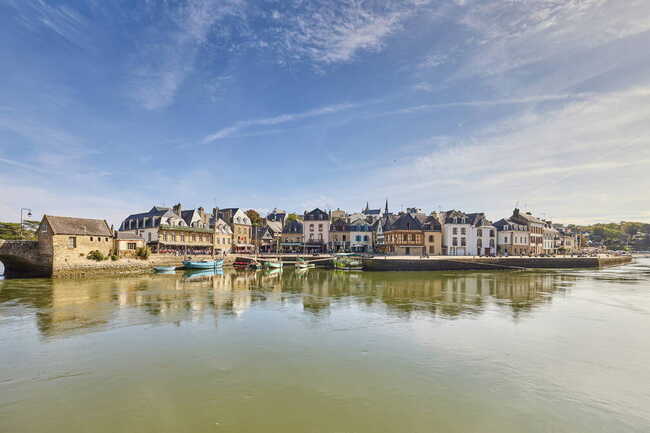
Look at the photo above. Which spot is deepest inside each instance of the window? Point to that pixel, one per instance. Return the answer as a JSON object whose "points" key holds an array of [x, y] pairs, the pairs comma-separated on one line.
{"points": [[462, 231], [182, 238], [454, 242], [72, 242], [430, 238], [365, 238], [358, 238], [130, 245], [91, 239], [491, 233], [311, 227], [455, 230], [505, 239], [174, 238], [432, 249], [463, 242], [44, 228], [194, 238], [479, 233], [320, 227]]}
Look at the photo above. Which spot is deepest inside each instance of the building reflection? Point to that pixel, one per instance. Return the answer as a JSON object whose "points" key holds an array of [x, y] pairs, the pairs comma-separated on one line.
{"points": [[66, 307]]}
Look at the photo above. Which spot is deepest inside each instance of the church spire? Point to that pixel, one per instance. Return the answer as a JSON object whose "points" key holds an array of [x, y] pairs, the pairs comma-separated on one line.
{"points": [[367, 208], [386, 210]]}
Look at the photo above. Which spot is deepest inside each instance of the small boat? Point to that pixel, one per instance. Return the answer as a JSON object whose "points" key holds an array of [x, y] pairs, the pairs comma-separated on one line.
{"points": [[243, 263], [271, 264], [347, 265], [203, 264], [304, 265], [164, 268]]}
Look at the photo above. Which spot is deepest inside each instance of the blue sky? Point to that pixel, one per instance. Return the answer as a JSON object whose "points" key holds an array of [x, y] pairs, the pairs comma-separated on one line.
{"points": [[107, 108]]}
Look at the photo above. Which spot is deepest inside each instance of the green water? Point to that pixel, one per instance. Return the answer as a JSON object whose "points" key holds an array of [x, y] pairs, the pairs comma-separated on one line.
{"points": [[329, 351]]}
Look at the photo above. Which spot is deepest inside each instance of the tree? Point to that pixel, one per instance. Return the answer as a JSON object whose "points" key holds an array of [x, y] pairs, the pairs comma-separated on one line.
{"points": [[292, 217], [11, 231], [255, 217]]}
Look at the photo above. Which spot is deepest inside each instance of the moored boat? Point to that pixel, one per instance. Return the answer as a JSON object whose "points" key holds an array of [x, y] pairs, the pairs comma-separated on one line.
{"points": [[271, 264], [304, 265], [164, 268], [203, 264]]}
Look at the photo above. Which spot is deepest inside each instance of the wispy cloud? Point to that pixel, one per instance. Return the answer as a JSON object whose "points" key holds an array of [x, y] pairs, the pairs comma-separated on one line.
{"points": [[581, 162], [275, 120], [327, 33], [168, 57]]}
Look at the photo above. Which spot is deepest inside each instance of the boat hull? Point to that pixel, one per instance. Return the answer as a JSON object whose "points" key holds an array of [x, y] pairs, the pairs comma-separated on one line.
{"points": [[164, 268], [203, 265]]}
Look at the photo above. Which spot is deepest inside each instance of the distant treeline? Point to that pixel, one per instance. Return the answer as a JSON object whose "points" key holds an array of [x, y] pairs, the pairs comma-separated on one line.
{"points": [[12, 230], [620, 236]]}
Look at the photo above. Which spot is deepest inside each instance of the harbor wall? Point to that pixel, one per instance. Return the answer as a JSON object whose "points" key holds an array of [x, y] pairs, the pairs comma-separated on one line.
{"points": [[489, 263], [121, 266]]}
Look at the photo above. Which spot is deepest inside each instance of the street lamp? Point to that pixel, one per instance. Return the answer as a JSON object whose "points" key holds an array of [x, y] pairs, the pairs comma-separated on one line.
{"points": [[29, 215]]}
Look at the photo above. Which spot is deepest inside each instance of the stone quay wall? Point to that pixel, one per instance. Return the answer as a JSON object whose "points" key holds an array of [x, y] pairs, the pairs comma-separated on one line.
{"points": [[444, 263], [108, 267]]}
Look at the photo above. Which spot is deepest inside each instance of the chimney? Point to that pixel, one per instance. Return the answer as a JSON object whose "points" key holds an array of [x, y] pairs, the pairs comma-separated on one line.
{"points": [[177, 209]]}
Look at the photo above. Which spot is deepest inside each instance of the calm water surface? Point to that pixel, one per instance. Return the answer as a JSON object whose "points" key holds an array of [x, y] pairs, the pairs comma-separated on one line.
{"points": [[323, 351]]}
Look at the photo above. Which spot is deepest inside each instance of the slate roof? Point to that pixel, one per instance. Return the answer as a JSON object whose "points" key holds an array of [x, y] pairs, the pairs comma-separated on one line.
{"points": [[405, 221], [127, 236], [78, 226], [292, 227], [316, 215], [274, 226], [158, 211]]}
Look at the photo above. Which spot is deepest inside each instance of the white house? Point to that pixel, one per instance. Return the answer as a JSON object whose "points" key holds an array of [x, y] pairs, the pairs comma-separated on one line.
{"points": [[467, 234]]}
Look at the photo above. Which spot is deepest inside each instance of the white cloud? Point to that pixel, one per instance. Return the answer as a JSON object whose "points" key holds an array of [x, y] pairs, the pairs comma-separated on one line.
{"points": [[276, 120], [584, 162]]}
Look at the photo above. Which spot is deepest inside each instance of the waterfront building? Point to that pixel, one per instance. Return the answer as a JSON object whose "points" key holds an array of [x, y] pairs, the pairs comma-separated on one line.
{"points": [[432, 234], [535, 230], [316, 231], [551, 238], [291, 239], [512, 238], [166, 231], [352, 236], [67, 240], [193, 217], [126, 244], [468, 234], [404, 236], [241, 227], [222, 234], [147, 224], [379, 228]]}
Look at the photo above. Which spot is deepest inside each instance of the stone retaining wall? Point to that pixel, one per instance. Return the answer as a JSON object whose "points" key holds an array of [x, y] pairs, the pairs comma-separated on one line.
{"points": [[490, 263], [121, 266]]}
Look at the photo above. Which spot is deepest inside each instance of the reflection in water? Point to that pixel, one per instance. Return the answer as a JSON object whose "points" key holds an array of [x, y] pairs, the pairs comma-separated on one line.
{"points": [[562, 351], [70, 306]]}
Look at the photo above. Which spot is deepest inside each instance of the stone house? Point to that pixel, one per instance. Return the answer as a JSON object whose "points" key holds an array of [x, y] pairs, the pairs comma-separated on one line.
{"points": [[241, 227], [512, 238], [222, 234], [316, 231], [126, 243], [66, 241]]}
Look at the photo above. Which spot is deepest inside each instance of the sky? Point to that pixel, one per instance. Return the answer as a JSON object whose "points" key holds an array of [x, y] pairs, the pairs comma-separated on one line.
{"points": [[110, 107]]}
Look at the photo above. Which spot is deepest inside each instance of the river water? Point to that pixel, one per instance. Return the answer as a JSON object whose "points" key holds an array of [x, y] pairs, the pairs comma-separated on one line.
{"points": [[329, 351]]}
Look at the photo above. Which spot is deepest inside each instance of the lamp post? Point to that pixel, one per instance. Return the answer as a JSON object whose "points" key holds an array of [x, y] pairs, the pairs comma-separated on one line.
{"points": [[29, 215]]}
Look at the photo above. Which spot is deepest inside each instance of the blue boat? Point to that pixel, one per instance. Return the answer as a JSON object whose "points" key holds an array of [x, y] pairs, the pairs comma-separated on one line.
{"points": [[203, 264]]}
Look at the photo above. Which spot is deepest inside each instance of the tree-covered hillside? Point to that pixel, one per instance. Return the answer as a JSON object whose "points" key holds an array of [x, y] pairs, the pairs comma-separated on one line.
{"points": [[620, 236], [12, 230]]}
